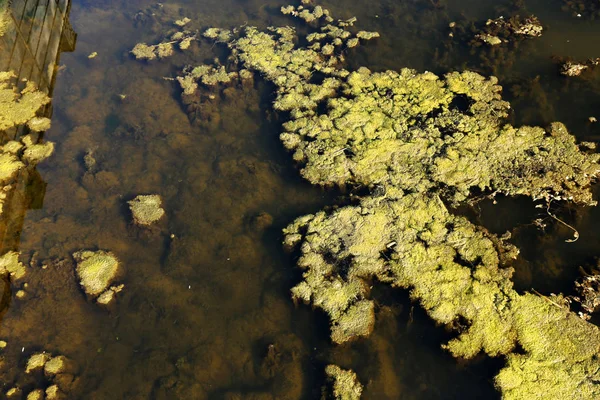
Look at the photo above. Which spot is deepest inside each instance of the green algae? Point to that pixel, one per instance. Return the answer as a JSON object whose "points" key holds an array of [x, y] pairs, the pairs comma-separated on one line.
{"points": [[166, 48], [96, 270], [18, 107], [146, 209], [344, 384], [36, 361], [418, 141], [10, 265], [9, 166]]}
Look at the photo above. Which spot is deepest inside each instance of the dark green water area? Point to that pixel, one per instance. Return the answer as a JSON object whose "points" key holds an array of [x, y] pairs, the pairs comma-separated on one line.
{"points": [[206, 312]]}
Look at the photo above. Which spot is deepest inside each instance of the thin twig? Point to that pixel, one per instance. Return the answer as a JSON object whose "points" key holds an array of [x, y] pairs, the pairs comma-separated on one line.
{"points": [[575, 232]]}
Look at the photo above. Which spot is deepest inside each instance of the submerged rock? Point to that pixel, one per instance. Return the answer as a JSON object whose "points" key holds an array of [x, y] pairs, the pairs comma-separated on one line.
{"points": [[36, 361], [37, 394], [96, 270], [146, 209]]}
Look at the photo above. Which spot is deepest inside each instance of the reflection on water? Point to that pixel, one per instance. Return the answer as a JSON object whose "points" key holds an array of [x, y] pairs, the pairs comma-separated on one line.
{"points": [[31, 45], [206, 311]]}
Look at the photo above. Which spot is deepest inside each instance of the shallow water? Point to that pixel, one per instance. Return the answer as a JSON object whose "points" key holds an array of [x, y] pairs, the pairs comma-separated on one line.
{"points": [[207, 290]]}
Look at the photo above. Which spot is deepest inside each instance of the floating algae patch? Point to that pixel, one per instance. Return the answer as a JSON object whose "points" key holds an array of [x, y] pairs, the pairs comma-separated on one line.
{"points": [[417, 141]]}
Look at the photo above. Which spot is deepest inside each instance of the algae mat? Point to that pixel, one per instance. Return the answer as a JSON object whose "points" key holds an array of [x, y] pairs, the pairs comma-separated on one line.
{"points": [[206, 310]]}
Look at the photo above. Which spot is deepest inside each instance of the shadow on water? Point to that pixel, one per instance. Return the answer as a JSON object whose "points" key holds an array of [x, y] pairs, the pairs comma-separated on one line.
{"points": [[206, 311]]}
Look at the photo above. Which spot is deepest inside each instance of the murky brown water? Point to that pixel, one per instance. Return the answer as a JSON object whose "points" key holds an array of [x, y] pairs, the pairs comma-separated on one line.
{"points": [[201, 308]]}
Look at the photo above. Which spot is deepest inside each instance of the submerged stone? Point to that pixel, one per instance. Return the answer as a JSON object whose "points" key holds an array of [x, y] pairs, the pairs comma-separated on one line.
{"points": [[96, 270], [36, 361], [37, 394], [146, 209]]}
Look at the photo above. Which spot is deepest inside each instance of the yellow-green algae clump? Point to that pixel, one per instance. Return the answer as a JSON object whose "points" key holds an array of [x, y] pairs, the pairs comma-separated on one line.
{"points": [[344, 384], [18, 107], [96, 270], [146, 209], [417, 141], [10, 265]]}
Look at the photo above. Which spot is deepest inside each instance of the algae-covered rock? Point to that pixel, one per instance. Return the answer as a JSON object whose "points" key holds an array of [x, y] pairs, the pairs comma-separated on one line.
{"points": [[53, 392], [344, 384], [9, 166], [37, 394], [14, 393], [96, 270], [36, 361], [146, 209], [10, 264], [39, 124], [59, 365], [38, 152]]}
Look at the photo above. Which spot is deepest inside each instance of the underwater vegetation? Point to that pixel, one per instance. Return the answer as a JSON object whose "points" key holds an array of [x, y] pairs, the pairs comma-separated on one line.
{"points": [[146, 209], [417, 142]]}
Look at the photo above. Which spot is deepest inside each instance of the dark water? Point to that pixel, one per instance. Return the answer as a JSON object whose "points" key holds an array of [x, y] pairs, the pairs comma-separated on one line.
{"points": [[207, 291]]}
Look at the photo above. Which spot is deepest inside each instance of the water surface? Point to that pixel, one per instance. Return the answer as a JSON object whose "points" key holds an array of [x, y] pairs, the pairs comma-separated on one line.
{"points": [[206, 311]]}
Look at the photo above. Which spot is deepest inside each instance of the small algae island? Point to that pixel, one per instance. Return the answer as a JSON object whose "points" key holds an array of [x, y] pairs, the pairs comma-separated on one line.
{"points": [[417, 145]]}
